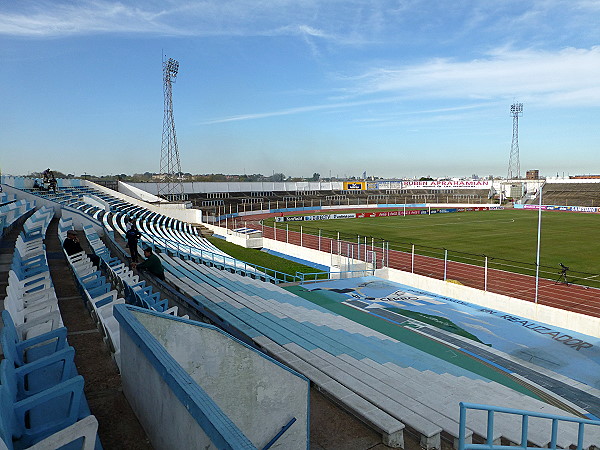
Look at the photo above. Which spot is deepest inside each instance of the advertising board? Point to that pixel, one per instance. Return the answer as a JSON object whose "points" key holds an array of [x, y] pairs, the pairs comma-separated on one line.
{"points": [[383, 185], [459, 184], [354, 185]]}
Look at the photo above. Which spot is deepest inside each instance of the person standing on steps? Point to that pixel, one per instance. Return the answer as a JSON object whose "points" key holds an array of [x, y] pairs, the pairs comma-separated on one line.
{"points": [[133, 236]]}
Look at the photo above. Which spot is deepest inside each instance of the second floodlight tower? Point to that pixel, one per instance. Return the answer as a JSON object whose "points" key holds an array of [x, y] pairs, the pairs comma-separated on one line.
{"points": [[171, 186], [514, 166]]}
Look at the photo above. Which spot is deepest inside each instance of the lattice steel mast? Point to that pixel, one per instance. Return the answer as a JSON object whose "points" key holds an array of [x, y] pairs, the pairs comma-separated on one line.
{"points": [[170, 167], [514, 166]]}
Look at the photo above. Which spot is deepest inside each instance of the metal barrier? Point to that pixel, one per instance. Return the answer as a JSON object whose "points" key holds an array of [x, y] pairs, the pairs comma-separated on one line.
{"points": [[321, 276], [491, 410], [218, 259]]}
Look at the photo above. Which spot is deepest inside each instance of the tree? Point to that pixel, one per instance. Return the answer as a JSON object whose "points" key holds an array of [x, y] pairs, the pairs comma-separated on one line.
{"points": [[316, 176]]}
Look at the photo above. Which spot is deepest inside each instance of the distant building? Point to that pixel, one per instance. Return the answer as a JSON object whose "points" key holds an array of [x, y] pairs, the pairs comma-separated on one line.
{"points": [[532, 174]]}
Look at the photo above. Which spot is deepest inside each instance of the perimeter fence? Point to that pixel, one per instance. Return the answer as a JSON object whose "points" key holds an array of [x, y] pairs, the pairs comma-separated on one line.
{"points": [[485, 272]]}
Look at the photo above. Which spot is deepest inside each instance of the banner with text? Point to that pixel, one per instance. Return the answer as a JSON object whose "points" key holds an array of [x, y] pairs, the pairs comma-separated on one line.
{"points": [[583, 209], [460, 184]]}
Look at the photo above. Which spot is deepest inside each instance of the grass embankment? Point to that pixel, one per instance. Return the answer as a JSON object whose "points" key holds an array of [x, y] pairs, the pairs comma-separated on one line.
{"points": [[254, 256]]}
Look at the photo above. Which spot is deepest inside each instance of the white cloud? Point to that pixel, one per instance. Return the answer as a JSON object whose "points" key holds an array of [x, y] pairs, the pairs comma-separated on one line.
{"points": [[208, 18], [569, 75], [50, 19]]}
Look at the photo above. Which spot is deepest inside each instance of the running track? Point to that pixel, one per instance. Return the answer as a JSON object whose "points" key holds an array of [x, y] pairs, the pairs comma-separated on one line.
{"points": [[569, 297]]}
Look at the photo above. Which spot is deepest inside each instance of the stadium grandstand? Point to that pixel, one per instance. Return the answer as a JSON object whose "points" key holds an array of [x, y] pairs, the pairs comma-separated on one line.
{"points": [[227, 354], [574, 191]]}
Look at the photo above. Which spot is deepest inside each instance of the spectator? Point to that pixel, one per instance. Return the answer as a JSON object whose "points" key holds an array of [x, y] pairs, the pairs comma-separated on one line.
{"points": [[72, 247], [52, 184], [152, 264], [128, 224], [133, 236]]}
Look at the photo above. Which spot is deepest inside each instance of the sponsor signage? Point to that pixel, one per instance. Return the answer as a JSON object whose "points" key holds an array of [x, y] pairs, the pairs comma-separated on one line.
{"points": [[461, 184], [317, 217], [354, 185], [583, 209], [383, 185], [557, 335]]}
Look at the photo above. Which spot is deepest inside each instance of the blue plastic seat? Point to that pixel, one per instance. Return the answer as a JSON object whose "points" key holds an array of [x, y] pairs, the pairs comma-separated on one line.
{"points": [[27, 421], [25, 351]]}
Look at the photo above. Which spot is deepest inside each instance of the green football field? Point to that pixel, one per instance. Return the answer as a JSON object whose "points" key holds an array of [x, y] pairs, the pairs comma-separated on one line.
{"points": [[569, 238]]}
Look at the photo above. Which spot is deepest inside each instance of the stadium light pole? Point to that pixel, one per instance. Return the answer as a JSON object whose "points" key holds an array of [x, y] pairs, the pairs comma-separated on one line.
{"points": [[537, 258], [170, 165], [514, 166]]}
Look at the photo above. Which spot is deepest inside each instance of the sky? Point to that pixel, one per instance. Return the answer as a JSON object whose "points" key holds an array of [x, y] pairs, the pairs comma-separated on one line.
{"points": [[396, 88]]}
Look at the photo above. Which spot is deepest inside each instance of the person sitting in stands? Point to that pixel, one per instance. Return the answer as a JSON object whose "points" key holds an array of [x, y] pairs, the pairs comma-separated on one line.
{"points": [[72, 247], [36, 184], [152, 264]]}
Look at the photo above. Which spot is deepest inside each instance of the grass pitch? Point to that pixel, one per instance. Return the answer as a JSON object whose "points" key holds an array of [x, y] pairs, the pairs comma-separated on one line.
{"points": [[569, 238]]}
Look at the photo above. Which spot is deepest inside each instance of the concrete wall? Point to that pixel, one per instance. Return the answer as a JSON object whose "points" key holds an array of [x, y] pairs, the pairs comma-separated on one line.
{"points": [[156, 405], [257, 394], [257, 186], [174, 369], [96, 201], [138, 193]]}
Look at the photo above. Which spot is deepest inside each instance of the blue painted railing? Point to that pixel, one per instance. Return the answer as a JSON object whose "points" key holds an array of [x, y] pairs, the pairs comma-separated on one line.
{"points": [[279, 434], [217, 259], [489, 444]]}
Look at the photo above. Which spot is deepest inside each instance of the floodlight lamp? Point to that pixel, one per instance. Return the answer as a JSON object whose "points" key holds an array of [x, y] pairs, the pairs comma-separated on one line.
{"points": [[172, 66], [516, 108]]}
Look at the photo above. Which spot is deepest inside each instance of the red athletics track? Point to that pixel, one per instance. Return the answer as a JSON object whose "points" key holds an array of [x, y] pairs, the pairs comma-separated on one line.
{"points": [[569, 297]]}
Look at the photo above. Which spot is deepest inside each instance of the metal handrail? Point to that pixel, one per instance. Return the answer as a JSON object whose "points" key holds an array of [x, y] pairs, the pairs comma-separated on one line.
{"points": [[217, 258], [489, 445]]}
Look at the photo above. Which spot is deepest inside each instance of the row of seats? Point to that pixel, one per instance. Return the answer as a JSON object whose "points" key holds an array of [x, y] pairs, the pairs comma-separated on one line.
{"points": [[41, 393], [30, 296], [125, 282], [114, 284], [98, 293], [10, 212], [7, 198]]}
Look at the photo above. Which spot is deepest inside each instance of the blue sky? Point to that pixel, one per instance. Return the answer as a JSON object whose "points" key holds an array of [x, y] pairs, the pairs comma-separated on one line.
{"points": [[397, 88]]}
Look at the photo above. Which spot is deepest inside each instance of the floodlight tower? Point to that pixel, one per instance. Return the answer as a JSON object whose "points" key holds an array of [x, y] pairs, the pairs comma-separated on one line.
{"points": [[514, 167], [170, 167]]}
